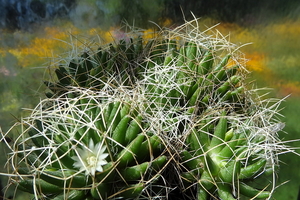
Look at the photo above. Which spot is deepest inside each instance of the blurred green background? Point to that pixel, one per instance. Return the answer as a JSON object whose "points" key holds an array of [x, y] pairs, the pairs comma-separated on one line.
{"points": [[34, 34]]}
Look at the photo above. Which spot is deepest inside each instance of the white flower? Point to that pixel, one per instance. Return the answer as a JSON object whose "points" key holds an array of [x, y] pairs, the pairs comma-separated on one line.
{"points": [[91, 159]]}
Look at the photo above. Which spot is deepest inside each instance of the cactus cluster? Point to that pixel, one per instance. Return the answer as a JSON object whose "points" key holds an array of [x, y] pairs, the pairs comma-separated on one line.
{"points": [[148, 119]]}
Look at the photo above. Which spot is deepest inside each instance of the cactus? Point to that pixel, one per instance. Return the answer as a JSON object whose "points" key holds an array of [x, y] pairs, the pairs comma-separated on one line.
{"points": [[79, 145], [139, 118]]}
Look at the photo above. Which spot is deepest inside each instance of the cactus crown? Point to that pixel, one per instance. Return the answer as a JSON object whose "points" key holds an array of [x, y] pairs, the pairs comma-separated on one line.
{"points": [[118, 122]]}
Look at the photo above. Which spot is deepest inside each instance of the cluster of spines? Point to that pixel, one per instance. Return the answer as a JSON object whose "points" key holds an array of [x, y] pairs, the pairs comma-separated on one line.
{"points": [[134, 156], [215, 155], [207, 90]]}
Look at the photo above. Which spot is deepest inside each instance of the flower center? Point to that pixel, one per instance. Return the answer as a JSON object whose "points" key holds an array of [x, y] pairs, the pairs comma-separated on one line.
{"points": [[91, 160]]}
